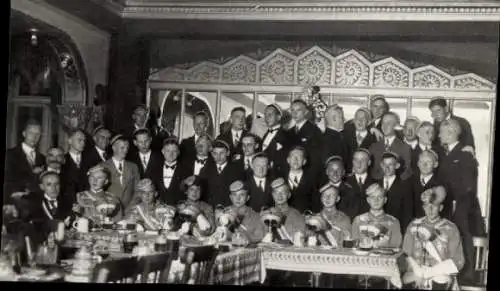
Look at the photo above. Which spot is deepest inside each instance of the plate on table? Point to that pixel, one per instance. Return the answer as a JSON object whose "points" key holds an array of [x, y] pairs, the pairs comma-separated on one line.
{"points": [[384, 251], [360, 252]]}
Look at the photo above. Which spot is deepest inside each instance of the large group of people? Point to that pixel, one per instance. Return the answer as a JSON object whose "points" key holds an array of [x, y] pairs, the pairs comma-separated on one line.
{"points": [[368, 171]]}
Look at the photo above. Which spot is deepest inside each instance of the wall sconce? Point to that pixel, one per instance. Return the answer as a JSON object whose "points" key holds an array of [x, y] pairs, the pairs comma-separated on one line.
{"points": [[34, 37]]}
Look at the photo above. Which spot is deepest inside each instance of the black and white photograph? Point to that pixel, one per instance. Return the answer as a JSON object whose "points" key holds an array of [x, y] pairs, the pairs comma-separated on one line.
{"points": [[341, 144]]}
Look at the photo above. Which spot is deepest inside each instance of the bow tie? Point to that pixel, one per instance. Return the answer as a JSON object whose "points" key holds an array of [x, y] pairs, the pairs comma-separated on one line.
{"points": [[201, 161], [172, 167], [271, 130]]}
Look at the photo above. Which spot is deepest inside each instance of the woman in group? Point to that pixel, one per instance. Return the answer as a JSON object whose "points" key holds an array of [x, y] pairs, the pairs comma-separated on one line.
{"points": [[147, 211], [197, 215]]}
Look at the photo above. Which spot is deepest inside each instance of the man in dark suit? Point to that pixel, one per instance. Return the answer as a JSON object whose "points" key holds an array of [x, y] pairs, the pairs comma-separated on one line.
{"points": [[359, 136], [193, 165], [334, 143], [425, 134], [200, 125], [141, 119], [74, 170], [219, 175], [169, 177], [148, 161], [378, 108], [259, 183], [399, 196], [410, 131], [307, 135], [124, 174], [233, 136], [42, 207], [301, 180], [360, 179], [24, 163], [250, 146], [390, 143], [100, 152], [458, 168], [425, 178], [275, 142], [349, 202], [440, 112]]}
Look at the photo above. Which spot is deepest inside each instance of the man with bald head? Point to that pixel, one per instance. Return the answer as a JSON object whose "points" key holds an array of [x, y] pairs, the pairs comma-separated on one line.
{"points": [[458, 168]]}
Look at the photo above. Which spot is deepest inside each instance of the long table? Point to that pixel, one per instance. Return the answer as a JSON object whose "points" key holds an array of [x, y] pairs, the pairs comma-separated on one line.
{"points": [[335, 261]]}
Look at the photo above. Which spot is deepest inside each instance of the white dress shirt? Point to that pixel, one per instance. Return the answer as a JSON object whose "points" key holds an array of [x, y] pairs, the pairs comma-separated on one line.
{"points": [[76, 157], [100, 153], [270, 136], [425, 179], [298, 126], [198, 165], [235, 133], [389, 140], [452, 146], [258, 182], [29, 152], [362, 177], [221, 167], [117, 165], [145, 158], [168, 174], [295, 178], [424, 147], [388, 181], [413, 144]]}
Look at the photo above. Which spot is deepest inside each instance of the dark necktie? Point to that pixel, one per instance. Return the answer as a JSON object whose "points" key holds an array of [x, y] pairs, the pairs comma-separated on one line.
{"points": [[172, 167], [360, 182], [446, 149], [105, 156], [269, 131], [261, 186], [219, 169], [120, 167]]}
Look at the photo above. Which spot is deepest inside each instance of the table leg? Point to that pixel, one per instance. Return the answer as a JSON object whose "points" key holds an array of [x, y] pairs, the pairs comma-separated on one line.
{"points": [[388, 287], [315, 279]]}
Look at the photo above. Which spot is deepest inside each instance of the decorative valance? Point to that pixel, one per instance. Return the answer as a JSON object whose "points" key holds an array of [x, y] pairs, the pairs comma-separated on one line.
{"points": [[317, 66]]}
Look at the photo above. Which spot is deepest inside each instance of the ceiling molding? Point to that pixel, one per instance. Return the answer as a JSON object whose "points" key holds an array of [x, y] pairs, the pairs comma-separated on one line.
{"points": [[376, 10]]}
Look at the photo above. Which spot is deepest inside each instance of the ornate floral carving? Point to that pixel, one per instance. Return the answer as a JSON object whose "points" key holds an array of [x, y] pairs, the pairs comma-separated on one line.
{"points": [[315, 68], [204, 72], [352, 70], [390, 74], [430, 78], [277, 69], [239, 71], [471, 82], [168, 74]]}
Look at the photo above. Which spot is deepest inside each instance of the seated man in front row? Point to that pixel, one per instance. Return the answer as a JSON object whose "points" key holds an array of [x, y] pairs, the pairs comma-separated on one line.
{"points": [[434, 246], [376, 228], [248, 223], [293, 220], [87, 202]]}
